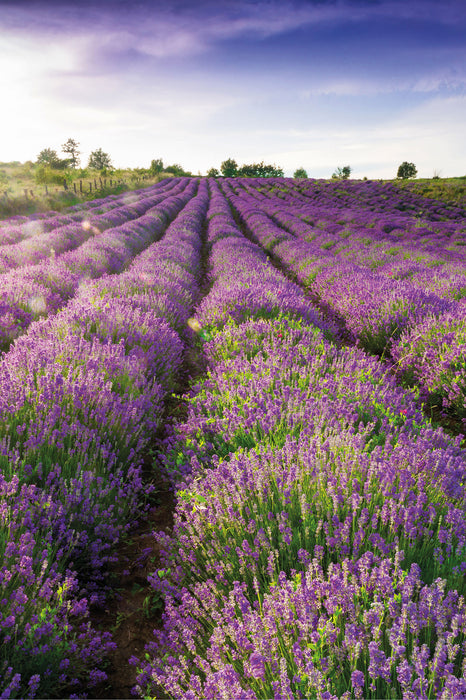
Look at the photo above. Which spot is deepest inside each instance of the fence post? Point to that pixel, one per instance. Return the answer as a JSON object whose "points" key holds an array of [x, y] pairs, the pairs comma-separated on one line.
{"points": [[46, 190], [100, 180], [74, 187], [90, 187], [81, 186], [26, 193], [65, 184], [95, 184]]}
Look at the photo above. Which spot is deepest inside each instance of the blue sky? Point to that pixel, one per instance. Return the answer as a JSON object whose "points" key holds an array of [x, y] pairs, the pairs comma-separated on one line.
{"points": [[300, 83]]}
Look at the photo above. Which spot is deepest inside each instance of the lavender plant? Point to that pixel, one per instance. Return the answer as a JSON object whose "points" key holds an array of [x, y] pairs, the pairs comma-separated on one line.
{"points": [[84, 391], [318, 547]]}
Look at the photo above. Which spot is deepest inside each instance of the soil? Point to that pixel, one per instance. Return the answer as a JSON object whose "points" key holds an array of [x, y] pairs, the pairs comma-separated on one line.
{"points": [[131, 615]]}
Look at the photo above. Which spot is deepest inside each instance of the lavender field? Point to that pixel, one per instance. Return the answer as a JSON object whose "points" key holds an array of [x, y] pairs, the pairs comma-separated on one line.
{"points": [[290, 357]]}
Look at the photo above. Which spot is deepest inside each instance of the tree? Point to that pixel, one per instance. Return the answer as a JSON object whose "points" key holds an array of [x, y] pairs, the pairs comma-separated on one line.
{"points": [[99, 160], [156, 166], [259, 170], [229, 168], [177, 170], [71, 147], [407, 170], [342, 173], [213, 172], [300, 173], [48, 156]]}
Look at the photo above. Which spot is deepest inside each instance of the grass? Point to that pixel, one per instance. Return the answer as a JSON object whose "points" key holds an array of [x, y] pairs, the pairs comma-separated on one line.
{"points": [[21, 194], [448, 189]]}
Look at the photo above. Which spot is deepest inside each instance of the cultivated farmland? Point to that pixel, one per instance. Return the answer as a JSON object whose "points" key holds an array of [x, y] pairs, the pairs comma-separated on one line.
{"points": [[289, 356]]}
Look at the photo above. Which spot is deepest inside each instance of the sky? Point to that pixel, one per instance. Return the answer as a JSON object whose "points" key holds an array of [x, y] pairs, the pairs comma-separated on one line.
{"points": [[317, 84]]}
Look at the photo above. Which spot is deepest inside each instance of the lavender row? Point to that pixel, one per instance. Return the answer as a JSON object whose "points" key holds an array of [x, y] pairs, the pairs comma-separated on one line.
{"points": [[42, 289], [430, 352], [318, 547], [364, 236], [351, 197], [82, 394], [430, 262], [244, 282], [422, 329], [368, 232], [64, 237], [373, 309], [18, 228]]}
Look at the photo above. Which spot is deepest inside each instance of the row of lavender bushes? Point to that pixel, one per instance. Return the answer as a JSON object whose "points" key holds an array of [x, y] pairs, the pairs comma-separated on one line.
{"points": [[67, 232], [37, 290], [318, 547], [401, 298], [384, 199], [82, 393], [21, 228]]}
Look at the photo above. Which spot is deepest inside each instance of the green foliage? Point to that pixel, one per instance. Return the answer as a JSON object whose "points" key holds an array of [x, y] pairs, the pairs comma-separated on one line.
{"points": [[213, 172], [48, 156], [177, 170], [47, 175], [71, 147], [451, 190], [156, 166], [342, 173], [99, 160], [229, 168], [300, 173], [406, 170], [3, 181], [259, 170]]}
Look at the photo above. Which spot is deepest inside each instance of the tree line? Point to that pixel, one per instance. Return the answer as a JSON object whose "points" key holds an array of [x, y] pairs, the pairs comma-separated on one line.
{"points": [[100, 160], [230, 168]]}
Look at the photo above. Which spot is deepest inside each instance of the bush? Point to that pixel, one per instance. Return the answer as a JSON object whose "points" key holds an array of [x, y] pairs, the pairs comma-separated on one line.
{"points": [[156, 166], [177, 170], [259, 170], [342, 173], [99, 160], [300, 173], [406, 170], [229, 168], [45, 175]]}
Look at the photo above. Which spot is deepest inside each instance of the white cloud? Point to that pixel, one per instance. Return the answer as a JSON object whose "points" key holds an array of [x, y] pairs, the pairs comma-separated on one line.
{"points": [[77, 80], [430, 135]]}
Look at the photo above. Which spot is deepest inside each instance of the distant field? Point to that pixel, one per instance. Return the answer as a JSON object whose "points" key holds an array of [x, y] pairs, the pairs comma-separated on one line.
{"points": [[232, 441], [21, 193], [451, 189]]}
